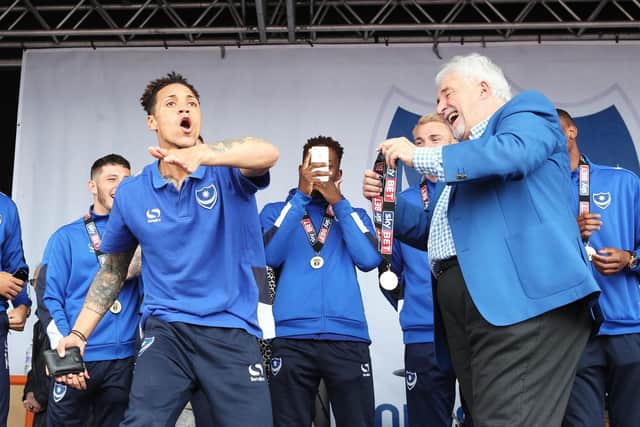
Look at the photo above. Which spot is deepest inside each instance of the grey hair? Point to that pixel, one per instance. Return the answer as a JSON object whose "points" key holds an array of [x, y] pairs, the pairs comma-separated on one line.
{"points": [[476, 67]]}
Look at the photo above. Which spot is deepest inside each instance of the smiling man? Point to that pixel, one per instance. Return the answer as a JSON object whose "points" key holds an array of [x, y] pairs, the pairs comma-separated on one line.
{"points": [[512, 274], [72, 259], [194, 214]]}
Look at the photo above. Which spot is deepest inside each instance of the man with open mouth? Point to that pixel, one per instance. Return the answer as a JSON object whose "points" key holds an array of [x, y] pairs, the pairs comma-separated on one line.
{"points": [[194, 214]]}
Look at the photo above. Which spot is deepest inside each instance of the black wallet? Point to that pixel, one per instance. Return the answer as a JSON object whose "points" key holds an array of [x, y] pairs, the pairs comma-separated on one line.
{"points": [[71, 363]]}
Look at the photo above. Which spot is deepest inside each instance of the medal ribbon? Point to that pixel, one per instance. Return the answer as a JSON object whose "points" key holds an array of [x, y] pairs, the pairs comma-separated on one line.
{"points": [[94, 238], [583, 188], [317, 240], [384, 207], [424, 193]]}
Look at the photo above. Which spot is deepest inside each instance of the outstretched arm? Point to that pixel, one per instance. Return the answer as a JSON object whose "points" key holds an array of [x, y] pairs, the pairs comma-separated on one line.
{"points": [[103, 292], [253, 156]]}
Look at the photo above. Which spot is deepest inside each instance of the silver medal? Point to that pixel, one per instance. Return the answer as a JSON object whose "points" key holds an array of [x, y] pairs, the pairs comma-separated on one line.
{"points": [[388, 280]]}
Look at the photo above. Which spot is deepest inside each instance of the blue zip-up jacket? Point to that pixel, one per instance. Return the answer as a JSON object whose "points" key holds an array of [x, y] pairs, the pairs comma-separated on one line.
{"points": [[11, 253], [71, 266], [412, 267], [323, 303], [615, 194]]}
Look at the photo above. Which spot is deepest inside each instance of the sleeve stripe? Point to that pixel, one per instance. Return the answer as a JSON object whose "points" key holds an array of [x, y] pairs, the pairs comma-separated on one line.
{"points": [[363, 228], [283, 214]]}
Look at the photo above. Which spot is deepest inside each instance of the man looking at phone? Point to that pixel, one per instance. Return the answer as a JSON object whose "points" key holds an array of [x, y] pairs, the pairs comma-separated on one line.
{"points": [[72, 258], [316, 239], [13, 273]]}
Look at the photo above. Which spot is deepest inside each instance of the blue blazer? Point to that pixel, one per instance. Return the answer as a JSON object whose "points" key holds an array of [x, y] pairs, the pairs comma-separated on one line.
{"points": [[510, 212]]}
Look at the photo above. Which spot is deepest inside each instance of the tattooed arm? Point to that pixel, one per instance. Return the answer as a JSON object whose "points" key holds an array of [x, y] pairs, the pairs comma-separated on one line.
{"points": [[253, 156], [102, 293]]}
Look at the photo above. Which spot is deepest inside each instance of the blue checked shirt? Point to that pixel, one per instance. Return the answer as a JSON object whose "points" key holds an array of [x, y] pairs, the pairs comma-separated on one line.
{"points": [[429, 161]]}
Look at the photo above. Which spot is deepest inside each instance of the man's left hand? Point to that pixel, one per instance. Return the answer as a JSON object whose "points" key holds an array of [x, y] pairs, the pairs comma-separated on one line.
{"points": [[330, 190], [610, 261], [31, 404], [18, 317]]}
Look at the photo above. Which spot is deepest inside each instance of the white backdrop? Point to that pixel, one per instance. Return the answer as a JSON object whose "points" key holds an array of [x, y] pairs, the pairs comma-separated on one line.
{"points": [[77, 105]]}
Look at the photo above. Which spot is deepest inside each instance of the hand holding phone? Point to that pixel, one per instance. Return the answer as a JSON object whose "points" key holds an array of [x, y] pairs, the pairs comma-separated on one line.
{"points": [[11, 284], [22, 275]]}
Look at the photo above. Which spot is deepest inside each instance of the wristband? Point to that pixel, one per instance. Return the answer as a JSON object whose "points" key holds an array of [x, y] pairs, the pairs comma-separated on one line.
{"points": [[79, 335]]}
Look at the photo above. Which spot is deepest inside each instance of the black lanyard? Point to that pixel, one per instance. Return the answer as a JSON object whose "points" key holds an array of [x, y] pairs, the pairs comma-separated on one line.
{"points": [[317, 240], [384, 207], [424, 193], [584, 189], [94, 238]]}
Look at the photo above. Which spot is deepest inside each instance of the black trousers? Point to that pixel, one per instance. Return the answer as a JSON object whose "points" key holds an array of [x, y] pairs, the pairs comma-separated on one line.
{"points": [[608, 370], [297, 365], [518, 375]]}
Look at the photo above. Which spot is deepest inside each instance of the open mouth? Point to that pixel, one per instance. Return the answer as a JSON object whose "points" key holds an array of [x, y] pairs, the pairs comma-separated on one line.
{"points": [[452, 117], [185, 124]]}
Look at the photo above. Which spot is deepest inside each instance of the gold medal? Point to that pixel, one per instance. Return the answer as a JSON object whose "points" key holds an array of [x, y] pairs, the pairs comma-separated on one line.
{"points": [[116, 307], [316, 262]]}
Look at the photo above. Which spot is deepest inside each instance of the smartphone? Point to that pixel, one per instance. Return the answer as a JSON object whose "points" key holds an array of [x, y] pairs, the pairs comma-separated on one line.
{"points": [[320, 154], [22, 275]]}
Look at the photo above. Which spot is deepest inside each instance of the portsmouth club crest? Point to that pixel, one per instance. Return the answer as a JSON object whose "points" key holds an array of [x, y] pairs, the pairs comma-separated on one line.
{"points": [[207, 196], [412, 379], [59, 390], [276, 364], [602, 200]]}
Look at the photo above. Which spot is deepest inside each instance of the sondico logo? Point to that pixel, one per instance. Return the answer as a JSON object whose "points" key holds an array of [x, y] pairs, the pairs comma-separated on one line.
{"points": [[153, 215], [256, 372], [366, 369]]}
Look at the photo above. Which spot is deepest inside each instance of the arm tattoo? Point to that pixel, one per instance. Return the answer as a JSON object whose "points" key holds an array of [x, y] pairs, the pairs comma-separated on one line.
{"points": [[108, 282], [225, 145]]}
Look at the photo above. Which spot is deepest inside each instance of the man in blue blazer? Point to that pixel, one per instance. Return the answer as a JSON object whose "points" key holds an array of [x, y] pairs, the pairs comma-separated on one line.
{"points": [[513, 285]]}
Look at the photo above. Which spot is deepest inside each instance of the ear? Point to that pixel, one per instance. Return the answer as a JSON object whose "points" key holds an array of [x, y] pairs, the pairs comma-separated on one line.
{"points": [[151, 122], [339, 174], [93, 188], [573, 131], [485, 89]]}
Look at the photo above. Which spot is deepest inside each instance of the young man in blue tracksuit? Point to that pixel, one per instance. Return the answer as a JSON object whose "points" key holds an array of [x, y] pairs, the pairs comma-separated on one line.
{"points": [[316, 239], [11, 289], [71, 259], [194, 215], [430, 388], [609, 370]]}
